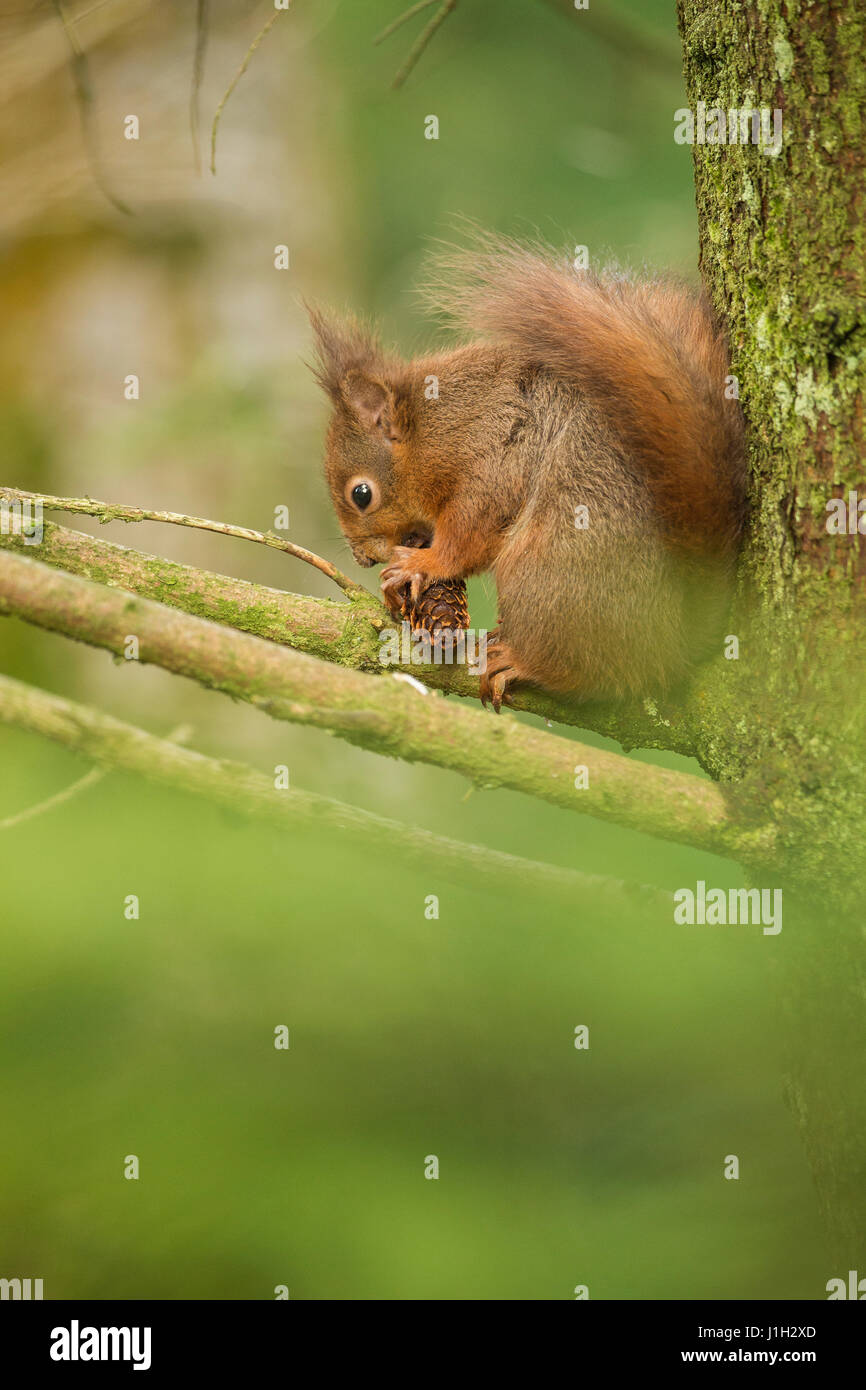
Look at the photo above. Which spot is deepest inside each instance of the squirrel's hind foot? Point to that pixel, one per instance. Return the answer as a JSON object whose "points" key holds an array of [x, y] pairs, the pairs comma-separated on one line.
{"points": [[503, 670]]}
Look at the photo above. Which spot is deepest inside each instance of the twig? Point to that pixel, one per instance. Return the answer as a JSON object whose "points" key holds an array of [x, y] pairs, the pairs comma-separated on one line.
{"points": [[110, 511], [240, 788], [236, 79], [422, 41], [197, 75], [401, 19], [84, 97], [95, 774], [492, 752]]}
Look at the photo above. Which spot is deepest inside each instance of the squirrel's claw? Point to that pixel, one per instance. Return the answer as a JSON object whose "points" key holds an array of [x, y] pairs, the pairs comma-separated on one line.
{"points": [[393, 600], [403, 572], [502, 671], [495, 691]]}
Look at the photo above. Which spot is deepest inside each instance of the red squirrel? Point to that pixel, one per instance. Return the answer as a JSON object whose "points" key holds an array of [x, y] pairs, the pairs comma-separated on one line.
{"points": [[583, 446]]}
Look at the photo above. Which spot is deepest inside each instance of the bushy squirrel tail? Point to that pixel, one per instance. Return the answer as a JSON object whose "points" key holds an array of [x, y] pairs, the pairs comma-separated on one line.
{"points": [[648, 352]]}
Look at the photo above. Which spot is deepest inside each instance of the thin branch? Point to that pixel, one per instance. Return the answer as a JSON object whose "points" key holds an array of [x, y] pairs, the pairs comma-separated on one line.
{"points": [[84, 97], [402, 19], [422, 41], [109, 511], [236, 79], [347, 634], [244, 790], [490, 752], [89, 779], [201, 18], [96, 774]]}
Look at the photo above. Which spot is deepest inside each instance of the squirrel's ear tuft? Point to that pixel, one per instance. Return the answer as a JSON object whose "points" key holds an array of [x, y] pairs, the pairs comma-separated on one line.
{"points": [[343, 346], [368, 399]]}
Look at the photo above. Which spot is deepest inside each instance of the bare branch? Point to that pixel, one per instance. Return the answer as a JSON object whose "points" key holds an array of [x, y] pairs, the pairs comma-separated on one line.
{"points": [[95, 774], [84, 97], [201, 17], [422, 41], [402, 19], [110, 511], [266, 28]]}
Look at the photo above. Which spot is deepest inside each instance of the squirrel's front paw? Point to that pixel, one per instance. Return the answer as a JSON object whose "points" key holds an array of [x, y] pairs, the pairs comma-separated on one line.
{"points": [[403, 572], [395, 600]]}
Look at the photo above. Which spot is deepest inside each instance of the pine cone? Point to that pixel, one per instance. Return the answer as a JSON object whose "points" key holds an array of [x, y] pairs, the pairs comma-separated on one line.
{"points": [[441, 608]]}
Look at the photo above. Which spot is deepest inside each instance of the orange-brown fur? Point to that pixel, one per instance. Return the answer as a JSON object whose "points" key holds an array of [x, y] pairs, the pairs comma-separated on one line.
{"points": [[603, 392]]}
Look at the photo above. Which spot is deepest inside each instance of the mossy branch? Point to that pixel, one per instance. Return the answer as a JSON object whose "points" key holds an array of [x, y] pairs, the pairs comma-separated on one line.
{"points": [[381, 715], [344, 633]]}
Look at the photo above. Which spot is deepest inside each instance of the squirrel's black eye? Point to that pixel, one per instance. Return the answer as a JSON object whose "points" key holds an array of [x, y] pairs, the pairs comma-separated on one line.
{"points": [[362, 495]]}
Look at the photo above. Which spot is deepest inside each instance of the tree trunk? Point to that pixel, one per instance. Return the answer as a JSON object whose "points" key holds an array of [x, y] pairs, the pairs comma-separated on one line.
{"points": [[782, 238]]}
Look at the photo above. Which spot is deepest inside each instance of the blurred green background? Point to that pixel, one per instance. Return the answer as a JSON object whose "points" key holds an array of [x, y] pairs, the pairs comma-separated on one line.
{"points": [[409, 1037]]}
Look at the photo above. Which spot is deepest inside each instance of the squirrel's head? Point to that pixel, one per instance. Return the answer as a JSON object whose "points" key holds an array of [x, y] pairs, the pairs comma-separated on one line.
{"points": [[363, 446]]}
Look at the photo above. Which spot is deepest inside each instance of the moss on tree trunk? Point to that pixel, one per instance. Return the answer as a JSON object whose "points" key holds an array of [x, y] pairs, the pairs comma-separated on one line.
{"points": [[782, 242]]}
